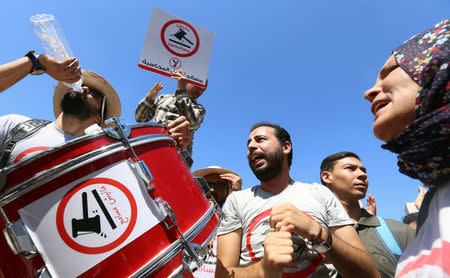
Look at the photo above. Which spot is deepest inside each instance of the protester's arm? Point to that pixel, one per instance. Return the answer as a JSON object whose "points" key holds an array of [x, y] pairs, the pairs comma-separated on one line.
{"points": [[409, 236], [420, 196], [194, 112], [278, 252], [146, 108], [347, 252], [12, 72]]}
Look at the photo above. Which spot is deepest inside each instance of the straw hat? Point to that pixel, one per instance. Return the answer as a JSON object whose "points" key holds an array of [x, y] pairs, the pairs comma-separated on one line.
{"points": [[212, 170], [97, 82]]}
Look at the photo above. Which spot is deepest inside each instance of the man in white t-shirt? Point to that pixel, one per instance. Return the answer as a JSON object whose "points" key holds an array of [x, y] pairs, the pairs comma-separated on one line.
{"points": [[256, 236]]}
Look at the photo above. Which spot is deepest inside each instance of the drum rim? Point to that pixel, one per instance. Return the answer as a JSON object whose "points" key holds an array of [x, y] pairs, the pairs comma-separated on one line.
{"points": [[8, 169], [49, 174], [175, 247]]}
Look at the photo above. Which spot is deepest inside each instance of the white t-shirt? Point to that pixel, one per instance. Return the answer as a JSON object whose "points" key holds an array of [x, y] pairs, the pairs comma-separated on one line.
{"points": [[429, 254], [250, 210], [45, 138]]}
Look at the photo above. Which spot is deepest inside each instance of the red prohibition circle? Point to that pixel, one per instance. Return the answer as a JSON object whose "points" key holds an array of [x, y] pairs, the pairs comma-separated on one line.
{"points": [[102, 249], [163, 30]]}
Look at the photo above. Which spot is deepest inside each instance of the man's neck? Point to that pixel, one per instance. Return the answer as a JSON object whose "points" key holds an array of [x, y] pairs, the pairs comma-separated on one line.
{"points": [[71, 125], [277, 184], [353, 209]]}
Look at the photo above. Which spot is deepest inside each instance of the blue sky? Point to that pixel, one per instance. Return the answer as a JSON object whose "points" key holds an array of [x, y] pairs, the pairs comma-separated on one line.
{"points": [[301, 64]]}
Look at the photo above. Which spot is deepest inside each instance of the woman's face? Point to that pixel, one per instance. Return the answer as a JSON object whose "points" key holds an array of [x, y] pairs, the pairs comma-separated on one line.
{"points": [[393, 99]]}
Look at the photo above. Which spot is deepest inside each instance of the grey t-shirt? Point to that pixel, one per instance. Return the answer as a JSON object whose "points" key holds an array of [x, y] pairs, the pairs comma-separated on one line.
{"points": [[250, 210]]}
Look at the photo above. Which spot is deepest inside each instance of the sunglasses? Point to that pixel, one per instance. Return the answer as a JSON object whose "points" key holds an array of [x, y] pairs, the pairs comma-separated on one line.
{"points": [[218, 185], [97, 94]]}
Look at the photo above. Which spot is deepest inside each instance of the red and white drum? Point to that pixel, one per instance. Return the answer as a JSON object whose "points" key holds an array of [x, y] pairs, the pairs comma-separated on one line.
{"points": [[104, 206]]}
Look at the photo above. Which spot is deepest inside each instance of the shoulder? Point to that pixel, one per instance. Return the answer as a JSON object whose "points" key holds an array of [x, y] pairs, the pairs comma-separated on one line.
{"points": [[317, 190], [7, 124], [243, 194], [11, 120], [14, 118], [400, 228], [403, 233], [164, 97]]}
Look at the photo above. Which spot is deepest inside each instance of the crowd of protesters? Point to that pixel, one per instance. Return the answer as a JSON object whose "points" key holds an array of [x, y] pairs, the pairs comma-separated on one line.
{"points": [[282, 227]]}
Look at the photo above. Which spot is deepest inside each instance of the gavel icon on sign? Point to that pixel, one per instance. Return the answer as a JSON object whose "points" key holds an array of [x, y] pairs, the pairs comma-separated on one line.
{"points": [[181, 35], [85, 224]]}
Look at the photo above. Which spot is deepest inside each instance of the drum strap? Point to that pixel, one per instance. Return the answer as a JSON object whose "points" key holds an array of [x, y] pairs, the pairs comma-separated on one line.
{"points": [[20, 132]]}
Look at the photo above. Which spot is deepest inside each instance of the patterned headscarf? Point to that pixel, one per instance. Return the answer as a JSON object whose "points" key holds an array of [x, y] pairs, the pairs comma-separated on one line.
{"points": [[423, 146]]}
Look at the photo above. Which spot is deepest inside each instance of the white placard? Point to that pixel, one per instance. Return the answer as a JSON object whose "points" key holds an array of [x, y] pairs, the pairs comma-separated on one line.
{"points": [[81, 224], [173, 43]]}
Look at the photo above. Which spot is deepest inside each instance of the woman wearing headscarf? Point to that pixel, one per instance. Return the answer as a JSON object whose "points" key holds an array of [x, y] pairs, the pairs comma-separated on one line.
{"points": [[410, 101]]}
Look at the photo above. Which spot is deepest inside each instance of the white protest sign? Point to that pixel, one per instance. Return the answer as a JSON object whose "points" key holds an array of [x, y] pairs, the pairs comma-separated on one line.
{"points": [[83, 223], [172, 44]]}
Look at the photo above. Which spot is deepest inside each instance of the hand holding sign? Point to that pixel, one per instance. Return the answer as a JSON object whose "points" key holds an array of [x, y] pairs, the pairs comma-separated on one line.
{"points": [[181, 77]]}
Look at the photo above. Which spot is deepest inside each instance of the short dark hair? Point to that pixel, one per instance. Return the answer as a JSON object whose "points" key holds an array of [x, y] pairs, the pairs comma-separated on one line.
{"points": [[331, 160], [281, 134], [410, 217]]}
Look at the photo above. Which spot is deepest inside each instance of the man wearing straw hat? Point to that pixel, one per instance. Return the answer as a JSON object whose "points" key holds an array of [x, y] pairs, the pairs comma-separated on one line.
{"points": [[74, 112], [221, 182]]}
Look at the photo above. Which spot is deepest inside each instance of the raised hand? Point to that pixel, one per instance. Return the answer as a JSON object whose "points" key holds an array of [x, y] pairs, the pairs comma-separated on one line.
{"points": [[420, 196], [155, 90], [371, 205], [236, 181]]}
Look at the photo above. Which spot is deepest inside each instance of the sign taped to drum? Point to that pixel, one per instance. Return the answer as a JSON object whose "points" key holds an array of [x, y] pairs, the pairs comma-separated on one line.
{"points": [[84, 222]]}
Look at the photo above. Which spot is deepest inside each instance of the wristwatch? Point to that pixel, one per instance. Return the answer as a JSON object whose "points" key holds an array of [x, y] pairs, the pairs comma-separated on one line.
{"points": [[322, 247], [37, 68]]}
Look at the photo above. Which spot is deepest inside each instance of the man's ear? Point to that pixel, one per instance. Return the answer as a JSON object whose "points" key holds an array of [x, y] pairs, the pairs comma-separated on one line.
{"points": [[97, 119], [287, 147], [327, 178]]}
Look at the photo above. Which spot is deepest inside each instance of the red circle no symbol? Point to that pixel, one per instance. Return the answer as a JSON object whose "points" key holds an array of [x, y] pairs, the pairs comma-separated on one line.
{"points": [[101, 249], [171, 49]]}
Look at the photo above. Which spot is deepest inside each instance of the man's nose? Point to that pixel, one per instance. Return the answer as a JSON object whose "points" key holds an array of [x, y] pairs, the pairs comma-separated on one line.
{"points": [[252, 146], [85, 91], [362, 175]]}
